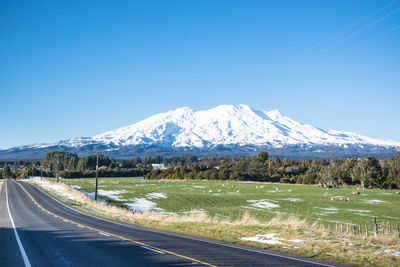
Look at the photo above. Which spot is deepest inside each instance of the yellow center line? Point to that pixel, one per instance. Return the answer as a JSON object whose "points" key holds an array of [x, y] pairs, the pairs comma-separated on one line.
{"points": [[111, 234]]}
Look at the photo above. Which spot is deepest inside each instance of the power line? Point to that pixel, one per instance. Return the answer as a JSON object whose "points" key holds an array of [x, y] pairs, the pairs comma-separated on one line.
{"points": [[347, 28], [301, 59], [368, 41], [360, 30]]}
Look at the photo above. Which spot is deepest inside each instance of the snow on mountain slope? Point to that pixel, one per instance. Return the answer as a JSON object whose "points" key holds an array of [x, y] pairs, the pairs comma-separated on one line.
{"points": [[226, 125]]}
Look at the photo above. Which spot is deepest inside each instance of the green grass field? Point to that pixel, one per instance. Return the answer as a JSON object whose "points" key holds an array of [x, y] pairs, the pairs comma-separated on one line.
{"points": [[229, 200]]}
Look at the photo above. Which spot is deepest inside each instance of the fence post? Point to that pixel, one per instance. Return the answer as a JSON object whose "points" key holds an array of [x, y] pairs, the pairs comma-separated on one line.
{"points": [[375, 227], [398, 230], [360, 230], [366, 231]]}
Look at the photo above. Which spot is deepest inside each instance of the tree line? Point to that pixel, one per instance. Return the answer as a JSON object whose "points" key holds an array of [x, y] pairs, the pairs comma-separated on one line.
{"points": [[364, 172], [70, 165]]}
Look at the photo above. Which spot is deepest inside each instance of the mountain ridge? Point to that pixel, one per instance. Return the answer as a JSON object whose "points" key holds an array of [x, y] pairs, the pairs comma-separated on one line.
{"points": [[227, 126]]}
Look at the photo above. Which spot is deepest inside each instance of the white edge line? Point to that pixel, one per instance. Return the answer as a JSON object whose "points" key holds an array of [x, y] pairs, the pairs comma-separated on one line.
{"points": [[186, 237], [103, 234], [21, 247], [152, 249]]}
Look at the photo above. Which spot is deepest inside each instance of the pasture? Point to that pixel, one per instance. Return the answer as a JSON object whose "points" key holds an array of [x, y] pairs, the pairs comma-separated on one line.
{"points": [[230, 200]]}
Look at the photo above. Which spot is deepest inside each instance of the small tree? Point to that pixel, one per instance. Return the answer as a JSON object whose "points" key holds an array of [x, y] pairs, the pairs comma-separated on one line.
{"points": [[329, 174], [262, 156], [367, 172], [6, 172]]}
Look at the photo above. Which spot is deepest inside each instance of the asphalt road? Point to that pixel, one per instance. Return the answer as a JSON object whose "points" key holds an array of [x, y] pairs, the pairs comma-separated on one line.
{"points": [[38, 230]]}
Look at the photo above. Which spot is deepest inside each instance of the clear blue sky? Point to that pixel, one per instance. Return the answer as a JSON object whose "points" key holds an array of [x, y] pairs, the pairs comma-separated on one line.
{"points": [[79, 68]]}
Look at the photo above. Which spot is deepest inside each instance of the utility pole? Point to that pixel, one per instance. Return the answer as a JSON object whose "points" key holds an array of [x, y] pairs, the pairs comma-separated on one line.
{"points": [[41, 171], [97, 176], [58, 168]]}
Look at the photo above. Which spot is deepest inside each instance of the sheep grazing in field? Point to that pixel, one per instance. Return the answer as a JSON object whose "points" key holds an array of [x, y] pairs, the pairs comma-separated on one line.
{"points": [[348, 199], [340, 199], [332, 198], [290, 190], [237, 191], [355, 193], [257, 187], [327, 189], [223, 185], [209, 191], [276, 188], [397, 193], [261, 186], [219, 190]]}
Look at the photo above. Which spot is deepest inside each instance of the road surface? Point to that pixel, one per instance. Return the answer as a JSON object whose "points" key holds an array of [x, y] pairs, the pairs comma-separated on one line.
{"points": [[38, 230]]}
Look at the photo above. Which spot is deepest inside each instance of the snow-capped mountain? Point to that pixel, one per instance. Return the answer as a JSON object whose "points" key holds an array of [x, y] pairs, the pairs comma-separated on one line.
{"points": [[227, 128]]}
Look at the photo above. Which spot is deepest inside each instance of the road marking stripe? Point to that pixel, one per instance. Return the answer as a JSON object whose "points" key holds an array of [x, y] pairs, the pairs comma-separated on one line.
{"points": [[21, 247], [114, 235], [103, 234], [152, 249]]}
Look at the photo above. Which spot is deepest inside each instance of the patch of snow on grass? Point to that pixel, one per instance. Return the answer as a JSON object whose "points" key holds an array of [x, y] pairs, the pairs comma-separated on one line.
{"points": [[330, 209], [263, 204], [395, 253], [53, 187], [270, 239], [293, 199], [113, 194], [192, 211], [198, 186], [373, 201], [361, 211], [76, 187], [58, 189], [143, 205], [155, 195]]}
